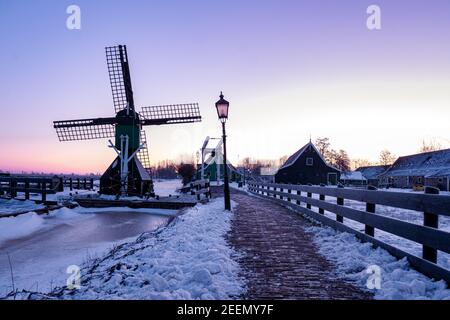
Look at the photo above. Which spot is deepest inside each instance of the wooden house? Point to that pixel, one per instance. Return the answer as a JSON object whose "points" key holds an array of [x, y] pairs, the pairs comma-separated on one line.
{"points": [[373, 173], [353, 179], [307, 166], [423, 169]]}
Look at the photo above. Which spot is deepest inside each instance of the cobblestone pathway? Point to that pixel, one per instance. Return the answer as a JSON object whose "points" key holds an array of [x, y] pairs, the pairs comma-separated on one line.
{"points": [[280, 260]]}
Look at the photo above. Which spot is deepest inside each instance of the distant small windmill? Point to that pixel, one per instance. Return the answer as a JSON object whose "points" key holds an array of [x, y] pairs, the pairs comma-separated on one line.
{"points": [[129, 173]]}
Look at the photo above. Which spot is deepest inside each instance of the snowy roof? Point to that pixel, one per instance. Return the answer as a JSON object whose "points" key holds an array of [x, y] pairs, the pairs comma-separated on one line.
{"points": [[142, 172], [372, 172], [293, 158], [352, 175], [428, 164]]}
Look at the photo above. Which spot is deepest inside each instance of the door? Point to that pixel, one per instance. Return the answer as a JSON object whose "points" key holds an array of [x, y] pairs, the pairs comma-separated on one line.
{"points": [[332, 178]]}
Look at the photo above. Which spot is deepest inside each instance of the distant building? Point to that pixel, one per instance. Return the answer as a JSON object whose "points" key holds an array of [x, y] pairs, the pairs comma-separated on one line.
{"points": [[353, 178], [307, 166], [373, 173], [427, 169], [214, 170]]}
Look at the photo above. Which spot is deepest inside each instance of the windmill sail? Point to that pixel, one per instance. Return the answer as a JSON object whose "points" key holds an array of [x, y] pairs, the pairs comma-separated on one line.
{"points": [[142, 155], [119, 77], [85, 129], [168, 114]]}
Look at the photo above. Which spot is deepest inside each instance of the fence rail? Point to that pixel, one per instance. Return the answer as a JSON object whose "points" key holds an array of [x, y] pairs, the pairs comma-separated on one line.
{"points": [[79, 183], [12, 185], [199, 188], [430, 204]]}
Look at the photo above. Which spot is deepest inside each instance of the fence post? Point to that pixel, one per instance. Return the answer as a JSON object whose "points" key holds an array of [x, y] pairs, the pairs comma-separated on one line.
{"points": [[432, 221], [309, 195], [321, 198], [281, 196], [299, 193], [27, 189], [289, 198], [340, 202], [274, 189], [13, 185], [71, 184], [61, 184], [78, 183], [370, 207], [85, 184], [43, 190], [92, 183]]}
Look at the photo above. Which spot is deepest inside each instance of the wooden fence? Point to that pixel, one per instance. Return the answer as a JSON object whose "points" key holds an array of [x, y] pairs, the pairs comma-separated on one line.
{"points": [[79, 183], [199, 188], [12, 185], [430, 204]]}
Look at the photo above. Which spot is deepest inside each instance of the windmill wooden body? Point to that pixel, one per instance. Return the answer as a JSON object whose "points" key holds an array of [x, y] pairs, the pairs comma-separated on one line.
{"points": [[129, 174]]}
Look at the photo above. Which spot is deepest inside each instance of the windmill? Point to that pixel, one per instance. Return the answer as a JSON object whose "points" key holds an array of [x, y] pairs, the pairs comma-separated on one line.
{"points": [[129, 172]]}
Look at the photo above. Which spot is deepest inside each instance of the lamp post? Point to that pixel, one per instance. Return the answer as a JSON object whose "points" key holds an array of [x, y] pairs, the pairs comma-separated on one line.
{"points": [[222, 112]]}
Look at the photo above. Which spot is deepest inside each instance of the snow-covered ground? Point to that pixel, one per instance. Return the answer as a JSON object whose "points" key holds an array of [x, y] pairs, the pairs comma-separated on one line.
{"points": [[13, 206], [42, 246], [190, 259], [164, 188], [410, 216], [353, 260]]}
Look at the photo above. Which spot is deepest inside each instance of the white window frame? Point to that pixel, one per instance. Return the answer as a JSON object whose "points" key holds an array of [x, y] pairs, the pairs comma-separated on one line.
{"points": [[312, 161]]}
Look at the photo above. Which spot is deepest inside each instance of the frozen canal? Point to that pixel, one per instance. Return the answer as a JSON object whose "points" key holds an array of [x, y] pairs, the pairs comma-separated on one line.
{"points": [[42, 247]]}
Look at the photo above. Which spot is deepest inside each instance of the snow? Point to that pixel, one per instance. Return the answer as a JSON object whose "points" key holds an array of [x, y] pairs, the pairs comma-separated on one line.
{"points": [[20, 226], [410, 216], [164, 188], [41, 247], [189, 259], [352, 258], [14, 206], [352, 175]]}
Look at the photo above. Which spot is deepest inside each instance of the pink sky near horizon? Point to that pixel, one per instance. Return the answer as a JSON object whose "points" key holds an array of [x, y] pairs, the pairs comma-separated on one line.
{"points": [[290, 69]]}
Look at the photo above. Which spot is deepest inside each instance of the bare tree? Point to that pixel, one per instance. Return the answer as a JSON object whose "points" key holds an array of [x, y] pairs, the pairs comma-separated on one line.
{"points": [[342, 160], [358, 163], [282, 160], [387, 157], [323, 145], [430, 145]]}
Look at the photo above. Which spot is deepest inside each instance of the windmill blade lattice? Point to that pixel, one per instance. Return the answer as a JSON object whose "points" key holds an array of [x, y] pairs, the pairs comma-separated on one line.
{"points": [[168, 114], [119, 77], [87, 129], [142, 155]]}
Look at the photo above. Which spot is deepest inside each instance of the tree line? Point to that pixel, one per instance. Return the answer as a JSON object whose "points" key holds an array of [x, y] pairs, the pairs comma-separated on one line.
{"points": [[338, 158]]}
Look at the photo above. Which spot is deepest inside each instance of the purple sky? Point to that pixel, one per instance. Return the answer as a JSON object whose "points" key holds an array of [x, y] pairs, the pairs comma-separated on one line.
{"points": [[289, 69]]}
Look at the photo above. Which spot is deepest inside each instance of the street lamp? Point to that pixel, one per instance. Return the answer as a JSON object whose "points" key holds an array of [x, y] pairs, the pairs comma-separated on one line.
{"points": [[222, 112]]}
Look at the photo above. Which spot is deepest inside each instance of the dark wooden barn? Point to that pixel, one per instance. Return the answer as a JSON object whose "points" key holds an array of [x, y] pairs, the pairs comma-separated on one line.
{"points": [[307, 166]]}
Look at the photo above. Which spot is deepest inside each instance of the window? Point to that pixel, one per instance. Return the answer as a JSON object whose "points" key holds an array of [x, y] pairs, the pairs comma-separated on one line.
{"points": [[309, 161]]}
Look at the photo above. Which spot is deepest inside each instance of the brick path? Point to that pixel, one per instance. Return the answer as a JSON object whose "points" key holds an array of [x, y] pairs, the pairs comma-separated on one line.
{"points": [[280, 260]]}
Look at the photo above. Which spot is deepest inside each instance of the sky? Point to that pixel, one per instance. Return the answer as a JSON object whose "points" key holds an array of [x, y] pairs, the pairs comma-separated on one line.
{"points": [[290, 69]]}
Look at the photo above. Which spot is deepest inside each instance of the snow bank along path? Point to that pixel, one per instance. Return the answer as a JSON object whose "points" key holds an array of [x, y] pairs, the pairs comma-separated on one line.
{"points": [[189, 259], [397, 280]]}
